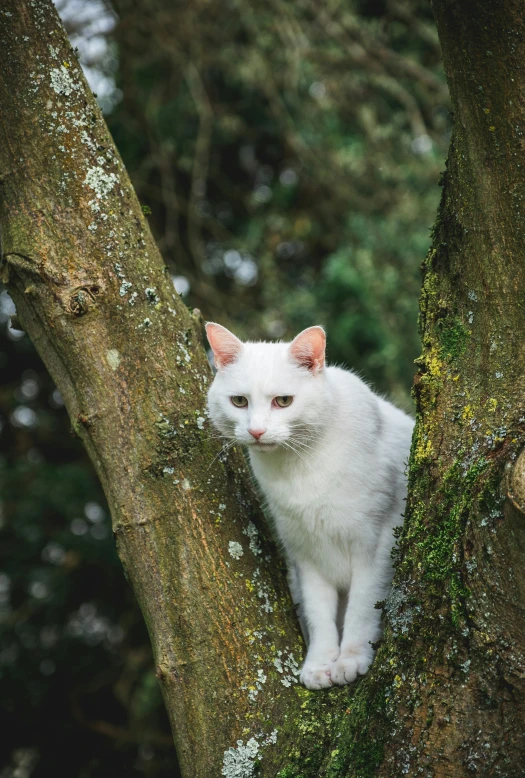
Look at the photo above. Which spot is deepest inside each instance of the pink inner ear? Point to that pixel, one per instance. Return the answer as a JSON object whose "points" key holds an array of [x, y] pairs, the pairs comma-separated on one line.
{"points": [[308, 348], [225, 346]]}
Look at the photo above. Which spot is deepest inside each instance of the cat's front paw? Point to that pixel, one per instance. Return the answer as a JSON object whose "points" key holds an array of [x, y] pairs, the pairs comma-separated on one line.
{"points": [[352, 661], [316, 675]]}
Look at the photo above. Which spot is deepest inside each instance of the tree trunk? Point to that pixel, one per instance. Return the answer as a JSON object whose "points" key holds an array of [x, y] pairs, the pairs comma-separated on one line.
{"points": [[445, 694]]}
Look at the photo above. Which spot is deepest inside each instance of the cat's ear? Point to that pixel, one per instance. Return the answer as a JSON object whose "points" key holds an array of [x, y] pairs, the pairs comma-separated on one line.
{"points": [[225, 346], [308, 348]]}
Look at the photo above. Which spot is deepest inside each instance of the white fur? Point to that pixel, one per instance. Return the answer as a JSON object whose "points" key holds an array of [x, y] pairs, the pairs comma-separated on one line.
{"points": [[334, 482]]}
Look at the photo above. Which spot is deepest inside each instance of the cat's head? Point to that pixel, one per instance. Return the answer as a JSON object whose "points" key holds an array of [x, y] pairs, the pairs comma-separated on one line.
{"points": [[268, 395]]}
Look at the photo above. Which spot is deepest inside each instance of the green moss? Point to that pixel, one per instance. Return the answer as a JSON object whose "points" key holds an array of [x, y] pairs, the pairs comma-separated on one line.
{"points": [[429, 290], [452, 337], [337, 739], [433, 540], [438, 542]]}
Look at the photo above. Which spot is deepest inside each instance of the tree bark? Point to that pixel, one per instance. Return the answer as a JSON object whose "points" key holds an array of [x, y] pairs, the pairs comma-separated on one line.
{"points": [[445, 694]]}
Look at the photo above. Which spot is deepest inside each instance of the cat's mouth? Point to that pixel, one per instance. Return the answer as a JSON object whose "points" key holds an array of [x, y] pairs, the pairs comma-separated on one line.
{"points": [[259, 444]]}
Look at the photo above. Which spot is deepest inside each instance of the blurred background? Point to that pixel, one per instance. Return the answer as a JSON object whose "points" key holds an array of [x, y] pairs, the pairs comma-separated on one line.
{"points": [[287, 157]]}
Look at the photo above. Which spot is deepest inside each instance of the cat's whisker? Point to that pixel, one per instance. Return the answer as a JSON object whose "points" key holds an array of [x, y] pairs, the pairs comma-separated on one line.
{"points": [[214, 435], [305, 443], [303, 435], [311, 448], [224, 450], [308, 440], [288, 445]]}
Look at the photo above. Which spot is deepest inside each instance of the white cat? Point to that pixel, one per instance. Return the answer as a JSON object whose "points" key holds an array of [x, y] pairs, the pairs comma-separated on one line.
{"points": [[329, 456]]}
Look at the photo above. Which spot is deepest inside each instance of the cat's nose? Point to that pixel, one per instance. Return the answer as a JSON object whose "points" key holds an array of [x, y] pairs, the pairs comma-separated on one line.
{"points": [[256, 433]]}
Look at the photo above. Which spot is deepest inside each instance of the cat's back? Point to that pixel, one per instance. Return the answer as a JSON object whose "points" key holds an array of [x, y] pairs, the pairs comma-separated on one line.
{"points": [[359, 406], [374, 433], [356, 411]]}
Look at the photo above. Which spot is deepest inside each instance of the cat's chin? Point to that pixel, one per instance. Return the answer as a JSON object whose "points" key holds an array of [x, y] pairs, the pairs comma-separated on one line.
{"points": [[259, 446]]}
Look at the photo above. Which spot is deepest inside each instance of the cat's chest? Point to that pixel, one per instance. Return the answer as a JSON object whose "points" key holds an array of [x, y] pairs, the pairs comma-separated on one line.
{"points": [[315, 499], [288, 485], [320, 514]]}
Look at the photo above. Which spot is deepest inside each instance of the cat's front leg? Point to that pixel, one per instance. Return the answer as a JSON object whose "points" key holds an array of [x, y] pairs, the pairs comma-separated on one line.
{"points": [[362, 621], [319, 603]]}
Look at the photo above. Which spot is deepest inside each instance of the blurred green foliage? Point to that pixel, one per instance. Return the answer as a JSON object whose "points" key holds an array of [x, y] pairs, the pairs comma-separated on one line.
{"points": [[77, 686], [286, 155], [289, 153]]}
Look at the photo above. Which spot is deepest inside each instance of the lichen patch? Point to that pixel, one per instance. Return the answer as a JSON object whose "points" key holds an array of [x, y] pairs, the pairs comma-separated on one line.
{"points": [[235, 549], [240, 762], [251, 532], [61, 81], [113, 358], [99, 181]]}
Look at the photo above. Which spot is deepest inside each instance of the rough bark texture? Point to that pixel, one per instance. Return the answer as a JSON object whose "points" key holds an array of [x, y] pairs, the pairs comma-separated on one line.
{"points": [[445, 694]]}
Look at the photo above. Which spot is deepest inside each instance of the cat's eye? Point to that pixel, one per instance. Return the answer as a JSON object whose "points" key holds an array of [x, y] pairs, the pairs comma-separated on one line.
{"points": [[283, 401], [239, 401]]}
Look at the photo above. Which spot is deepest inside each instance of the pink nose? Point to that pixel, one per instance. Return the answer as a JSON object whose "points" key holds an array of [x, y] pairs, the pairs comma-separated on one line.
{"points": [[256, 433]]}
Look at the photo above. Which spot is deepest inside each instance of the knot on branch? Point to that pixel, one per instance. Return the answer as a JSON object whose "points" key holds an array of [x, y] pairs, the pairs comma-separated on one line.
{"points": [[82, 298], [516, 484], [166, 672]]}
